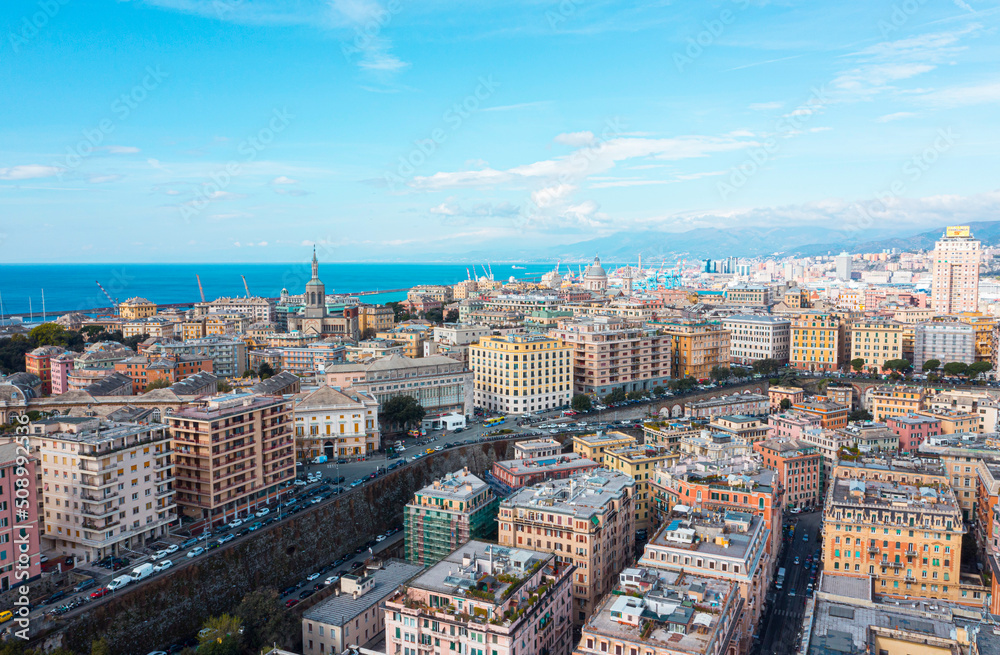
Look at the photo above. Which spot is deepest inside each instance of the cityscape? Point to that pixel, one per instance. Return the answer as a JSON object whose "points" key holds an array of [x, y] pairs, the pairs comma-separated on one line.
{"points": [[368, 327]]}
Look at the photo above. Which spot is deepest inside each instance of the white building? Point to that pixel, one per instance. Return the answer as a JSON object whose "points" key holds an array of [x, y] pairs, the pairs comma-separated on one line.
{"points": [[945, 342], [335, 422], [758, 337]]}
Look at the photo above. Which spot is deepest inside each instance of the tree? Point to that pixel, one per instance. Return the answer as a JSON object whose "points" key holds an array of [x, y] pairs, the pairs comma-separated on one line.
{"points": [[616, 396], [99, 647], [785, 404], [857, 364], [451, 316], [223, 387], [581, 403], [859, 415], [931, 364], [265, 622], [368, 333], [658, 390], [766, 366], [161, 383], [955, 368], [720, 373], [978, 368], [49, 334], [221, 635], [403, 410], [635, 395], [900, 366], [434, 315], [265, 371]]}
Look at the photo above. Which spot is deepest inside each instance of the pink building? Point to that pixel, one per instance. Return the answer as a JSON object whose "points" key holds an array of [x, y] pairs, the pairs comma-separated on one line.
{"points": [[61, 366], [18, 533], [487, 599], [791, 425], [913, 430]]}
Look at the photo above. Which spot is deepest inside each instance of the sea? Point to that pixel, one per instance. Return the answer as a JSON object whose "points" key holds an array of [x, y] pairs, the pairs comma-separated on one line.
{"points": [[74, 287]]}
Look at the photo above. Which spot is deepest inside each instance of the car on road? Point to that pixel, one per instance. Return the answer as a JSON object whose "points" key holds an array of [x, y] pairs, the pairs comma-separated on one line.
{"points": [[300, 483], [100, 593], [312, 576], [805, 537], [791, 592], [262, 512], [163, 566], [226, 539], [235, 523], [194, 552], [188, 542], [172, 548], [331, 579], [291, 602], [306, 593], [160, 554], [379, 538], [797, 561], [257, 525], [86, 584]]}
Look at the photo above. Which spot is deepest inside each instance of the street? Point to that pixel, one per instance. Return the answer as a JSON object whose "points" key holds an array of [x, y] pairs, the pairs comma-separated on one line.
{"points": [[782, 620]]}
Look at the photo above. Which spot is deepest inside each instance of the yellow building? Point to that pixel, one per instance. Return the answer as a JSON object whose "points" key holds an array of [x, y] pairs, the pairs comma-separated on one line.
{"points": [[904, 536], [986, 335], [876, 342], [817, 342], [696, 346], [194, 329], [895, 401], [520, 373], [953, 422], [593, 446], [376, 317], [640, 462], [412, 339], [135, 308]]}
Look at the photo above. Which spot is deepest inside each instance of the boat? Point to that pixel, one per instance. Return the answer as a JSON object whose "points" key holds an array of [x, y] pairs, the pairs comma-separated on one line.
{"points": [[519, 268]]}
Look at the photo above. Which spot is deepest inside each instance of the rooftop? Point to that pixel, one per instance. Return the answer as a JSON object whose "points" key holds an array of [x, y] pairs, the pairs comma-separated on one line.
{"points": [[541, 464], [727, 400], [460, 485], [338, 610], [223, 405], [583, 496], [893, 495], [721, 533]]}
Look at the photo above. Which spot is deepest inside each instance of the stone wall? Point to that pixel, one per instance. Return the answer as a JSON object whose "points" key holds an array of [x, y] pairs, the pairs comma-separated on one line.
{"points": [[173, 606]]}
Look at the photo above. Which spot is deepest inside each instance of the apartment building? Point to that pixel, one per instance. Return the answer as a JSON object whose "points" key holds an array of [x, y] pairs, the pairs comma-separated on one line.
{"points": [[953, 421], [817, 342], [38, 362], [831, 415], [792, 394], [411, 337], [135, 308], [986, 335], [454, 339], [655, 611], [893, 400], [612, 353], [232, 452], [639, 462], [695, 347], [955, 285], [145, 370], [731, 549], [594, 446], [439, 292], [840, 394], [228, 355], [377, 318], [945, 342], [752, 338], [107, 488], [440, 384], [870, 437], [586, 521], [913, 430], [981, 403], [961, 456], [906, 538], [484, 598], [533, 448], [743, 404], [338, 423], [748, 295], [258, 310], [154, 326], [20, 530], [744, 429], [521, 373], [446, 514], [517, 473], [713, 446], [670, 432], [876, 342], [798, 465]]}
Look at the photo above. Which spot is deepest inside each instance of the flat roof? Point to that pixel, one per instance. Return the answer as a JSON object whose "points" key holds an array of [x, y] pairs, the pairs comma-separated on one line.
{"points": [[338, 610], [583, 495]]}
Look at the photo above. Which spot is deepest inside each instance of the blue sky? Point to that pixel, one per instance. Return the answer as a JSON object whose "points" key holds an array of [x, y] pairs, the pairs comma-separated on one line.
{"points": [[242, 130]]}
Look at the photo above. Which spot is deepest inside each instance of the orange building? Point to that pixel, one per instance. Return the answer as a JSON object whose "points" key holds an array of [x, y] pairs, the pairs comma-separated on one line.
{"points": [[39, 362], [144, 370], [831, 415], [798, 465]]}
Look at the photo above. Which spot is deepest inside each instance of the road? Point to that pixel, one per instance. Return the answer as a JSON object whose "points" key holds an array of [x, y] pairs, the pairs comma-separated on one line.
{"points": [[782, 621]]}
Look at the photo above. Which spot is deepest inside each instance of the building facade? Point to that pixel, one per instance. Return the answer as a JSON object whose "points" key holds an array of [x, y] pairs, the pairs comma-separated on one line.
{"points": [[956, 259], [752, 338], [337, 423], [521, 373]]}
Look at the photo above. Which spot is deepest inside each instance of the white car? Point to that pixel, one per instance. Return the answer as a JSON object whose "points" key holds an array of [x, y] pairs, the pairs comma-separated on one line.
{"points": [[235, 523], [331, 579], [163, 566], [171, 549], [194, 552], [300, 483], [381, 537], [312, 576], [262, 512], [160, 554]]}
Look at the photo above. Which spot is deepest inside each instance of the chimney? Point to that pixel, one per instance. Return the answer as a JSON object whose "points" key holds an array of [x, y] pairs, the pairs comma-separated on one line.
{"points": [[336, 592]]}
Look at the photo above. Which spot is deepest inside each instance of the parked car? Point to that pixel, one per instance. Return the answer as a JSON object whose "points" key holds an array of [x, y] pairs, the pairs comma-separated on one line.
{"points": [[163, 566], [262, 512], [312, 576], [100, 593], [235, 523], [291, 602], [306, 593], [331, 579], [86, 584], [188, 542], [194, 552]]}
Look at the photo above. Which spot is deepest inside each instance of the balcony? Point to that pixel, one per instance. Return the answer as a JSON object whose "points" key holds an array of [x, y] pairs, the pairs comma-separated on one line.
{"points": [[873, 549], [95, 483], [909, 578], [98, 498], [99, 513], [103, 525]]}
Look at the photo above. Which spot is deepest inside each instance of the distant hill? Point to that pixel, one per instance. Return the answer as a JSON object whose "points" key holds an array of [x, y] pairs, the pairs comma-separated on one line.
{"points": [[986, 231]]}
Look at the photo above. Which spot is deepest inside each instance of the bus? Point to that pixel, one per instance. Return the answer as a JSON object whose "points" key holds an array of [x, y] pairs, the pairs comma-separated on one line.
{"points": [[496, 420]]}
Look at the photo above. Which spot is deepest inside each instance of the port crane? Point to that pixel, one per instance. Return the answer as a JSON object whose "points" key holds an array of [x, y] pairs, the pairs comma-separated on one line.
{"points": [[245, 286], [114, 303], [200, 290]]}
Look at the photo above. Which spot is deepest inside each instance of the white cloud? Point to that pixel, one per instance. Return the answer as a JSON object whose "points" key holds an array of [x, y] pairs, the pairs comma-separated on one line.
{"points": [[575, 139], [101, 179], [552, 195], [962, 96], [281, 179], [122, 150], [28, 172], [899, 115], [520, 105]]}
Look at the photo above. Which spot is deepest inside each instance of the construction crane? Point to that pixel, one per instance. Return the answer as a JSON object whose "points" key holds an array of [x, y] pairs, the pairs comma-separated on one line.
{"points": [[491, 269], [468, 274], [245, 285], [114, 303], [200, 290]]}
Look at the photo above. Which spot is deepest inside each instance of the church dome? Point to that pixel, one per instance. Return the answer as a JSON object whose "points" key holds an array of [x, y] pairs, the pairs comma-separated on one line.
{"points": [[595, 270]]}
